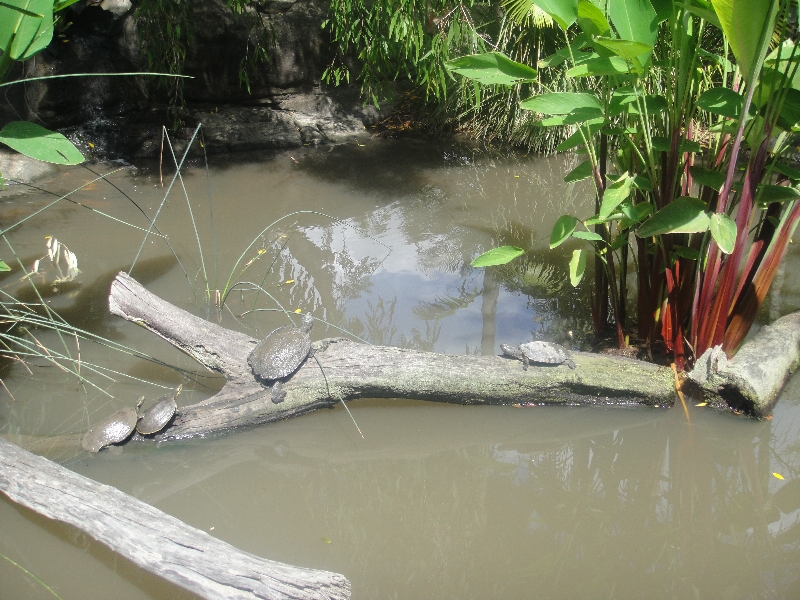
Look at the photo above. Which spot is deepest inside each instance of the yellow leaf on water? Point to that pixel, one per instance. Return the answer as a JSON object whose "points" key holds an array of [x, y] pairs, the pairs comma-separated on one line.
{"points": [[298, 311], [778, 476], [289, 281], [261, 251], [702, 404], [326, 540], [91, 145]]}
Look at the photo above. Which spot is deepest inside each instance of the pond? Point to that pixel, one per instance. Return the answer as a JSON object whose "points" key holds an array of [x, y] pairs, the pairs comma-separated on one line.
{"points": [[435, 501]]}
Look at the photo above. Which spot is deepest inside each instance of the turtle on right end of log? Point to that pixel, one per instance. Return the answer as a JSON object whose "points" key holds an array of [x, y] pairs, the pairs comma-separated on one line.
{"points": [[540, 353], [280, 354]]}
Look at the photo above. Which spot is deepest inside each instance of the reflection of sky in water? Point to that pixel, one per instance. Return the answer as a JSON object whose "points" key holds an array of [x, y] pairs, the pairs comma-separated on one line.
{"points": [[417, 270]]}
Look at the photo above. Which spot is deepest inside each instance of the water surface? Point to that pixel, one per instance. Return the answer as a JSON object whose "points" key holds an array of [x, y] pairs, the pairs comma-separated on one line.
{"points": [[437, 501]]}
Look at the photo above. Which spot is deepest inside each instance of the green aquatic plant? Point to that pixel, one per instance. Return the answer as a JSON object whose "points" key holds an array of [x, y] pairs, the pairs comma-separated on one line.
{"points": [[675, 98]]}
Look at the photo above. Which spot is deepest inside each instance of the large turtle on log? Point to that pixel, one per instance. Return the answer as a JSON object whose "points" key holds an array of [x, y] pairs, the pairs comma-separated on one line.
{"points": [[280, 354], [540, 353]]}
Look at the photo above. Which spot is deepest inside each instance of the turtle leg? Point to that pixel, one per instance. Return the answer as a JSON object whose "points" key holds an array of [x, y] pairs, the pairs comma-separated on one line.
{"points": [[525, 362], [278, 394]]}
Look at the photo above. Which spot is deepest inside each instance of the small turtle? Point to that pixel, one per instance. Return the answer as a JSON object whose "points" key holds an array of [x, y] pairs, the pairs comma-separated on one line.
{"points": [[155, 418], [116, 428], [542, 353], [280, 354]]}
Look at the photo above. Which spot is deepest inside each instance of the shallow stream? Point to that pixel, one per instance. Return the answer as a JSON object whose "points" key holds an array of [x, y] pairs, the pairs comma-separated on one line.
{"points": [[437, 501]]}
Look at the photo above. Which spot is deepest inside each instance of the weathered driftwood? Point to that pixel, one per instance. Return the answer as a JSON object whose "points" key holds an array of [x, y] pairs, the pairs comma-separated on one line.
{"points": [[153, 540], [752, 380], [345, 370]]}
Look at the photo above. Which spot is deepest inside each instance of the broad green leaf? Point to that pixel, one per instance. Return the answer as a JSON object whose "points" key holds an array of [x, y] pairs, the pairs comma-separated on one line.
{"points": [[620, 240], [686, 252], [640, 182], [777, 193], [40, 143], [562, 230], [722, 101], [492, 68], [4, 266], [664, 144], [497, 256], [597, 67], [626, 49], [743, 22], [564, 12], [704, 10], [589, 236], [723, 230], [591, 19], [21, 34], [556, 121], [571, 52], [624, 100], [635, 20], [663, 9], [684, 215], [579, 173], [582, 115], [615, 194], [576, 139], [561, 103], [789, 171], [790, 111], [713, 179], [634, 213], [577, 266]]}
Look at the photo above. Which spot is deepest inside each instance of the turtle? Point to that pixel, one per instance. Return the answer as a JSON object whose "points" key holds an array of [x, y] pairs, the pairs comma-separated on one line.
{"points": [[116, 428], [280, 354], [155, 418], [542, 353]]}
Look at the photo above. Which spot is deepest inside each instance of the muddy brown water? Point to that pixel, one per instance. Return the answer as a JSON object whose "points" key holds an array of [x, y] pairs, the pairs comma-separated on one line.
{"points": [[437, 501]]}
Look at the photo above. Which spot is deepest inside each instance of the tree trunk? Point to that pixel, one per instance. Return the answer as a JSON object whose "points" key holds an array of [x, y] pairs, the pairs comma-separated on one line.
{"points": [[345, 370], [153, 540]]}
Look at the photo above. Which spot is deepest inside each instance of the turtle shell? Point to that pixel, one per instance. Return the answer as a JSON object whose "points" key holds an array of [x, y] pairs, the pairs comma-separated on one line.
{"points": [[280, 353], [155, 418], [113, 430], [544, 353]]}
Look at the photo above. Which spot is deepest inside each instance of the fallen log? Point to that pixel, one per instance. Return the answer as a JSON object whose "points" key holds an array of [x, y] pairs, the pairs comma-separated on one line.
{"points": [[153, 540], [346, 370], [752, 380]]}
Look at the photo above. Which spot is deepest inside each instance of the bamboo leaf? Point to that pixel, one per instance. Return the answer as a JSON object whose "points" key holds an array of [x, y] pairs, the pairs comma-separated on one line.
{"points": [[497, 256], [723, 230], [562, 230], [577, 266], [684, 215]]}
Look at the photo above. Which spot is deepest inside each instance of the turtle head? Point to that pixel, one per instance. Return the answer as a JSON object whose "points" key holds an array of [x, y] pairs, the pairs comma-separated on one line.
{"points": [[307, 322]]}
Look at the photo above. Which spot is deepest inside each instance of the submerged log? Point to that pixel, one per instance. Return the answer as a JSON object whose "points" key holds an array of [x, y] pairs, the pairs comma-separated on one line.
{"points": [[346, 370], [752, 380], [153, 540]]}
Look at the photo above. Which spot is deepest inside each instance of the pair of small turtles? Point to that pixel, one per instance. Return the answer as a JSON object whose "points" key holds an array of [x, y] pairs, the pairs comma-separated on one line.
{"points": [[540, 353], [119, 426]]}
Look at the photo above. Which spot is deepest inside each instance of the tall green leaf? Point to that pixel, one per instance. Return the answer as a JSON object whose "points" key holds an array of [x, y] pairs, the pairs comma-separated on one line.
{"points": [[561, 103], [497, 256], [745, 23], [684, 215], [577, 267], [635, 20]]}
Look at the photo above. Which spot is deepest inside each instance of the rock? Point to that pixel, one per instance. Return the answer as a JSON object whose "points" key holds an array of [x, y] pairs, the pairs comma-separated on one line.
{"points": [[18, 168]]}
